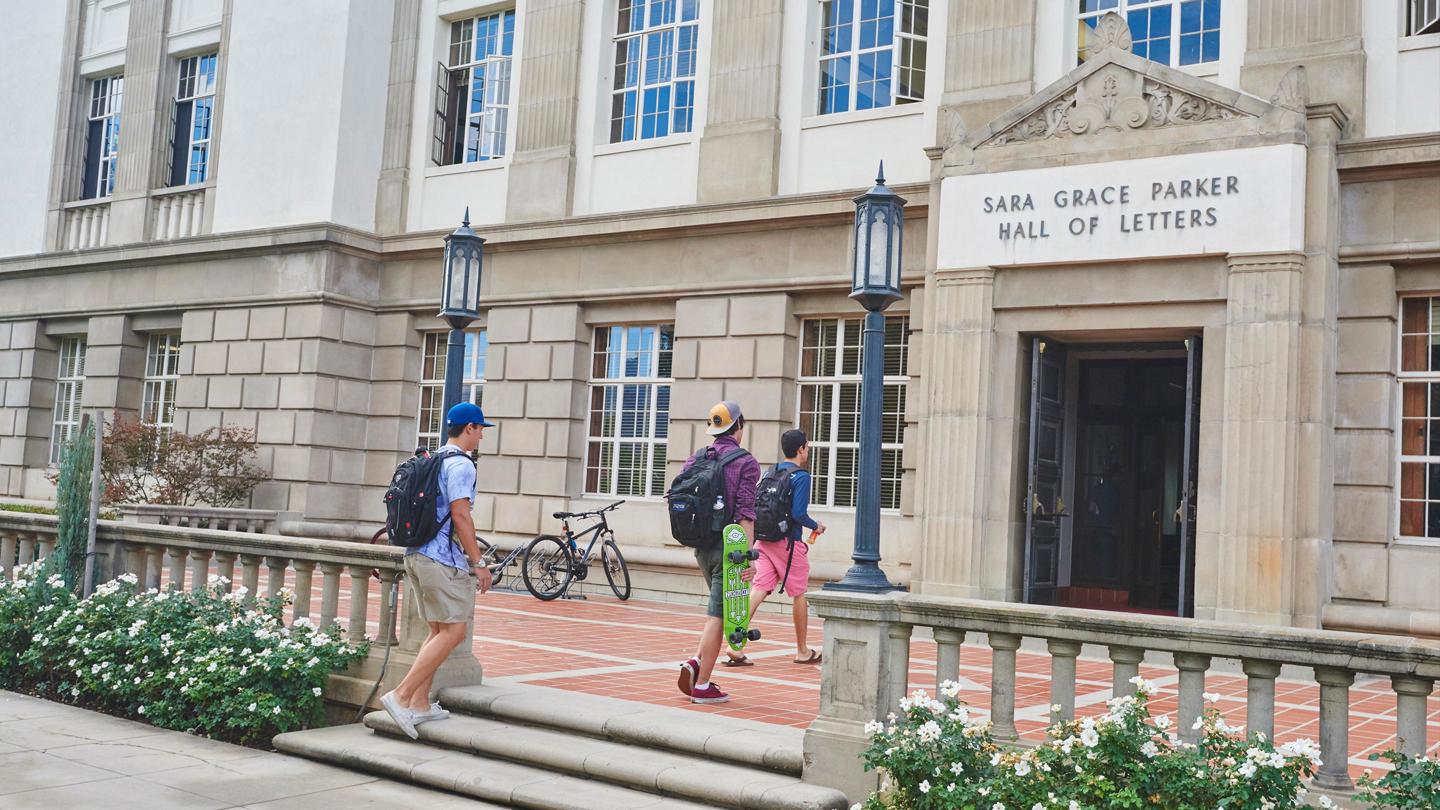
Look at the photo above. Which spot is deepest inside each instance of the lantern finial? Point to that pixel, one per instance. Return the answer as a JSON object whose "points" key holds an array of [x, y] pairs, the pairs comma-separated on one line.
{"points": [[466, 220], [880, 175]]}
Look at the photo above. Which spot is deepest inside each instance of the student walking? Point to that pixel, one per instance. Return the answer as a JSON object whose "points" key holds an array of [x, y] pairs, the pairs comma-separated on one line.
{"points": [[782, 513], [442, 573], [716, 488]]}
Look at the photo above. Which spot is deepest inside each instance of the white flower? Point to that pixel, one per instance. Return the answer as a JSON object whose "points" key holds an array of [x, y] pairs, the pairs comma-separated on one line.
{"points": [[1149, 749], [251, 707], [956, 768], [1210, 697], [997, 806], [1022, 768], [276, 710], [930, 732], [1247, 769], [1074, 805], [317, 691], [1089, 738], [1199, 722], [1162, 722], [949, 688], [1326, 802], [924, 786]]}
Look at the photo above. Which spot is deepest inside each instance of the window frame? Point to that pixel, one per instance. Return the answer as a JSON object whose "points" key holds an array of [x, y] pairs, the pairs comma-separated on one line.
{"points": [[201, 94], [162, 376], [432, 387], [69, 394], [898, 65], [624, 126], [825, 480], [1403, 377], [455, 117], [1416, 24], [655, 440], [1173, 38], [102, 130]]}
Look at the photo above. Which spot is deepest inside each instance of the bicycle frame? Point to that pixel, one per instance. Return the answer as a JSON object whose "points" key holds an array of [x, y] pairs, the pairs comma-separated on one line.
{"points": [[595, 532]]}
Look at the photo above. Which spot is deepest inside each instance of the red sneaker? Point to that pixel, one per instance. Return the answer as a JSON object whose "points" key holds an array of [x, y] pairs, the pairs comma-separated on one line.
{"points": [[688, 671], [710, 694]]}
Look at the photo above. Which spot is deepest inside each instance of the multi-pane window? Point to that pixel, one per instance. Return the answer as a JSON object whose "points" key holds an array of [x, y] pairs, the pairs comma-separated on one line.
{"points": [[629, 410], [102, 138], [162, 373], [194, 118], [69, 388], [1171, 32], [1422, 17], [1420, 417], [472, 94], [432, 382], [655, 54], [872, 53], [830, 407]]}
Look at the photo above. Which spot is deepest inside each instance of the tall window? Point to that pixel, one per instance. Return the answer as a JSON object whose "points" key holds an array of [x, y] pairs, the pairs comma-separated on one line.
{"points": [[162, 373], [654, 87], [830, 407], [872, 53], [472, 95], [1420, 417], [1422, 17], [432, 382], [629, 410], [1171, 32], [194, 114], [69, 388], [102, 139]]}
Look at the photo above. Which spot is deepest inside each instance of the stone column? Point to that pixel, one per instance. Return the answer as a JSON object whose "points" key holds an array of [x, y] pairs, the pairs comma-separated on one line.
{"points": [[114, 366], [1126, 666], [740, 151], [144, 118], [1192, 668], [988, 65], [959, 343], [1002, 684], [392, 191], [1062, 678], [542, 170], [1256, 553], [1260, 695], [1322, 35], [1334, 773], [28, 361], [1411, 697]]}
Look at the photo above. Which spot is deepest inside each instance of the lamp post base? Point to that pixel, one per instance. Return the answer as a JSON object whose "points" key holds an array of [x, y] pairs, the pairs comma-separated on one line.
{"points": [[863, 577]]}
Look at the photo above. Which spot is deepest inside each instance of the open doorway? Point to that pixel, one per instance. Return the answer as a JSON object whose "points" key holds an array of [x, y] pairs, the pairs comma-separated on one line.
{"points": [[1110, 485]]}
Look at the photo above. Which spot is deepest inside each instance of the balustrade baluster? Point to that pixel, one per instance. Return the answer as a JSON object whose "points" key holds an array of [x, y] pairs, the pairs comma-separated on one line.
{"points": [[947, 654], [1192, 668], [329, 593], [1062, 676], [1126, 667], [388, 577], [154, 567], [1260, 695], [177, 567], [250, 576], [359, 601], [199, 568], [8, 548], [1411, 694], [225, 569], [46, 546], [1334, 772], [136, 559], [275, 575], [304, 575], [27, 549], [899, 674], [1002, 684]]}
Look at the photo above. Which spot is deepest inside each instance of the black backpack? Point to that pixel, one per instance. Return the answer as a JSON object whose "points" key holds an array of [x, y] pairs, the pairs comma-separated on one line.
{"points": [[774, 498], [697, 502], [411, 500]]}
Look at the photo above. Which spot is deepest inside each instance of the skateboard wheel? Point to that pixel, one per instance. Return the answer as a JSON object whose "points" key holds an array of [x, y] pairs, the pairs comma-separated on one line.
{"points": [[752, 554], [738, 557], [753, 635], [736, 637]]}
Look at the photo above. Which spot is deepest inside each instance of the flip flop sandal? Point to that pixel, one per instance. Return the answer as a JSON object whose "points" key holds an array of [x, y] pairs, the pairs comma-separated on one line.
{"points": [[813, 659], [742, 661]]}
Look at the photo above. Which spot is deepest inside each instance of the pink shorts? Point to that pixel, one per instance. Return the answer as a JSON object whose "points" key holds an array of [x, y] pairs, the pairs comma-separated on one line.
{"points": [[770, 567]]}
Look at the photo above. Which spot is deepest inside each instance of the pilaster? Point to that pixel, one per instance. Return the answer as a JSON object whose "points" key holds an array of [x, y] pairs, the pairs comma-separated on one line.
{"points": [[27, 373], [959, 342], [143, 111], [69, 149], [740, 150], [542, 170], [990, 44], [114, 366], [391, 195], [1322, 35]]}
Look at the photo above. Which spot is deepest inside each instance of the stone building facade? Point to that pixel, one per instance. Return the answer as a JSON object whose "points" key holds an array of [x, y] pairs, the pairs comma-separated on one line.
{"points": [[1170, 274]]}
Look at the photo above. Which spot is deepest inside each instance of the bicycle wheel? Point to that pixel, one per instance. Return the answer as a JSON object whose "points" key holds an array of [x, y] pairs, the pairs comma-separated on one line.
{"points": [[490, 556], [616, 571], [548, 567]]}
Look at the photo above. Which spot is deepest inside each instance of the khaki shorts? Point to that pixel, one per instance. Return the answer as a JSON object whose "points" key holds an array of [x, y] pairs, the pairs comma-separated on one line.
{"points": [[713, 570], [441, 593]]}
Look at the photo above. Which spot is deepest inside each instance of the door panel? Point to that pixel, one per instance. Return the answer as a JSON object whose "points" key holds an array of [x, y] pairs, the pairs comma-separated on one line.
{"points": [[1189, 476], [1044, 507]]}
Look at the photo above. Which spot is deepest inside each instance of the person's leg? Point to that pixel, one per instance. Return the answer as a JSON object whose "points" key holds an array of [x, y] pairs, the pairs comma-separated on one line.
{"points": [[425, 687], [709, 651], [427, 661], [800, 613]]}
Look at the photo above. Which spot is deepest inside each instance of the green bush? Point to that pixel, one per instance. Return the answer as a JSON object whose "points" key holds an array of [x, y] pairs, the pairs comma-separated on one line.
{"points": [[1413, 783], [27, 508], [205, 661]]}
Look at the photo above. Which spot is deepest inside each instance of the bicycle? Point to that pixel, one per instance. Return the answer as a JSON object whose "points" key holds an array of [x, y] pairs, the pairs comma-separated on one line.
{"points": [[551, 562]]}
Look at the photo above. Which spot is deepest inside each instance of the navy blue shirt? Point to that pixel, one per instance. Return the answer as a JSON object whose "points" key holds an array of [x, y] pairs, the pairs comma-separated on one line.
{"points": [[800, 500]]}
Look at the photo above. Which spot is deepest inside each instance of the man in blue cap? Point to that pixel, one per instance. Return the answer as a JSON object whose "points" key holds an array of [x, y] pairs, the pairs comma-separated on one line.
{"points": [[443, 574]]}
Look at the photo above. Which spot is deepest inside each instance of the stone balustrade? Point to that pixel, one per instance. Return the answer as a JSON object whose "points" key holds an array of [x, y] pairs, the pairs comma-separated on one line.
{"points": [[202, 517], [178, 214], [867, 657], [86, 224]]}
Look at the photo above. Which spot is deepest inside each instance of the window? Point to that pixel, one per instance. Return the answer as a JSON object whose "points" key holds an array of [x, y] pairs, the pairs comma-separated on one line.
{"points": [[194, 116], [1171, 32], [69, 388], [1423, 17], [629, 410], [472, 94], [1420, 417], [102, 139], [872, 53], [830, 407], [162, 372], [654, 86], [432, 382]]}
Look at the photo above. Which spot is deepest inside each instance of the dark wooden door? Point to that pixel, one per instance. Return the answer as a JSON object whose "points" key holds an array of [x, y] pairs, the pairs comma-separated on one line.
{"points": [[1189, 475], [1044, 508]]}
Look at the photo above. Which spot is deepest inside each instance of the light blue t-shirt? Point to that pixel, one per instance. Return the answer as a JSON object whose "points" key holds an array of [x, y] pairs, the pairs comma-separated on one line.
{"points": [[457, 482]]}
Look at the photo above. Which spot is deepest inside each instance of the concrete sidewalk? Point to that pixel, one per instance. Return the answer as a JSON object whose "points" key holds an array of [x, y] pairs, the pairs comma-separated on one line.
{"points": [[54, 756]]}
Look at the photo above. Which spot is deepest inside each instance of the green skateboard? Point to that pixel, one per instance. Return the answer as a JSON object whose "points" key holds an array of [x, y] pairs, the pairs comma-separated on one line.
{"points": [[736, 557]]}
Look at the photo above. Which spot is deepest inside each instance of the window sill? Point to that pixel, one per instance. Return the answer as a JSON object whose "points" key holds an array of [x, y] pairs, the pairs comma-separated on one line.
{"points": [[1419, 42], [856, 116], [465, 168], [169, 190], [682, 139], [86, 203], [1419, 542]]}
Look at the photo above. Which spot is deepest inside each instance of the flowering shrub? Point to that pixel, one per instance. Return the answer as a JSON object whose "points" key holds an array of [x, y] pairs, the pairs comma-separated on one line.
{"points": [[204, 662], [1413, 783], [935, 756]]}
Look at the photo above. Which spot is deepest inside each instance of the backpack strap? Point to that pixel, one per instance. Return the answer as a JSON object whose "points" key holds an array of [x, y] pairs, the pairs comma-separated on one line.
{"points": [[732, 455]]}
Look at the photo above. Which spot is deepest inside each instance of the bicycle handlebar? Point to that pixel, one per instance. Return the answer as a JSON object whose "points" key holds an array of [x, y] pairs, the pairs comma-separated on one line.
{"points": [[593, 513]]}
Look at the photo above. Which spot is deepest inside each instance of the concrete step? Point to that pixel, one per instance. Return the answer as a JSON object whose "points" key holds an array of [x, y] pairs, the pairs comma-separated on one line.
{"points": [[503, 783], [695, 777], [764, 746]]}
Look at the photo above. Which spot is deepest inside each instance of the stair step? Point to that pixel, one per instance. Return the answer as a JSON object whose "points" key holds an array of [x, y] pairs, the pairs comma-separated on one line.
{"points": [[715, 737], [504, 783], [697, 777]]}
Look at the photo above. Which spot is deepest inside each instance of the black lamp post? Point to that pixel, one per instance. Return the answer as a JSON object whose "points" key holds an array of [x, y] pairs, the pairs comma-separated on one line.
{"points": [[459, 299], [875, 283]]}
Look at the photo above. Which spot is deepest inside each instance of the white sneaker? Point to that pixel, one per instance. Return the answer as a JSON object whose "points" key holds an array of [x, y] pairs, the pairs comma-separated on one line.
{"points": [[435, 712], [403, 717]]}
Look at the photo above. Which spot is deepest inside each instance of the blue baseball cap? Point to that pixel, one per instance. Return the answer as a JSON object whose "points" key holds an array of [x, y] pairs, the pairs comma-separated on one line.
{"points": [[466, 413]]}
